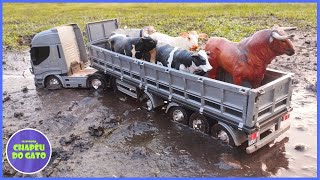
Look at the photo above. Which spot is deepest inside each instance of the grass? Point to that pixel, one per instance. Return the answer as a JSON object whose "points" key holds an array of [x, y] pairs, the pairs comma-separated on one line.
{"points": [[233, 21]]}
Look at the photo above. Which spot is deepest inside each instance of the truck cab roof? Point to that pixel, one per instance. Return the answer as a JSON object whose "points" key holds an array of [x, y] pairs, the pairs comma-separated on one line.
{"points": [[46, 38]]}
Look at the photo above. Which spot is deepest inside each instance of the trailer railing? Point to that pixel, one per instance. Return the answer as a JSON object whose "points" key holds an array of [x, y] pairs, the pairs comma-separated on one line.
{"points": [[208, 96]]}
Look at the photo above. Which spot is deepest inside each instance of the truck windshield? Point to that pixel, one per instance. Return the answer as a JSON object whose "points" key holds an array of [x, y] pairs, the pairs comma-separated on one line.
{"points": [[39, 54]]}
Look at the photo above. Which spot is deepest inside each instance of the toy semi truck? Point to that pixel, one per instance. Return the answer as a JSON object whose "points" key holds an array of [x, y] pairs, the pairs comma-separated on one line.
{"points": [[233, 114], [58, 58]]}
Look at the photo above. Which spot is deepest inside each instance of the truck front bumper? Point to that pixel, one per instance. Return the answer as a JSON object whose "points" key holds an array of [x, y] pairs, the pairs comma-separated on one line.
{"points": [[267, 139]]}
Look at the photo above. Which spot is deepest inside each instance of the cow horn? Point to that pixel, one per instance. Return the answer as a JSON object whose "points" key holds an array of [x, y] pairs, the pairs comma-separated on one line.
{"points": [[288, 28], [279, 37]]}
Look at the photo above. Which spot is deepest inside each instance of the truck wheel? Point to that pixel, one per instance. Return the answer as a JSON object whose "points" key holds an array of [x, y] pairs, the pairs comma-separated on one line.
{"points": [[151, 102], [222, 134], [199, 122], [146, 102], [179, 114], [96, 81], [149, 105], [53, 83], [113, 84]]}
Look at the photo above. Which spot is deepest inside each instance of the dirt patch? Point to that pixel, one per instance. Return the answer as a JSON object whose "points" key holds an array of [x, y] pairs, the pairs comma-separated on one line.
{"points": [[25, 40]]}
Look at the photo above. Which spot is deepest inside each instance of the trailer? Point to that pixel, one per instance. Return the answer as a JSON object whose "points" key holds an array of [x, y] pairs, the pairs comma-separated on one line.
{"points": [[233, 114]]}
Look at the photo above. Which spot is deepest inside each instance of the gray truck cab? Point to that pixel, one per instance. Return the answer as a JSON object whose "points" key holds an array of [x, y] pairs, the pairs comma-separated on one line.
{"points": [[58, 59]]}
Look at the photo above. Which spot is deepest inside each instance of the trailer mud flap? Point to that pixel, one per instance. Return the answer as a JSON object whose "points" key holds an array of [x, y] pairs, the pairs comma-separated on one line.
{"points": [[267, 140]]}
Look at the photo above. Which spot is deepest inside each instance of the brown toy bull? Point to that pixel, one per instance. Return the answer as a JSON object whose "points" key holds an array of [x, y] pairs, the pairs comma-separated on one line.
{"points": [[248, 59]]}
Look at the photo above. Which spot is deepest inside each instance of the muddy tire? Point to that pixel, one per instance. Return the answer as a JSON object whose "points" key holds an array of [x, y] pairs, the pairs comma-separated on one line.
{"points": [[113, 84], [149, 105], [146, 102], [222, 134], [96, 81], [179, 115], [52, 83], [200, 123]]}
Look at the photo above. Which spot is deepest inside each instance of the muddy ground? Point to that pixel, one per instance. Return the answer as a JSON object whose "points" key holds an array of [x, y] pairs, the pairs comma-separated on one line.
{"points": [[135, 142]]}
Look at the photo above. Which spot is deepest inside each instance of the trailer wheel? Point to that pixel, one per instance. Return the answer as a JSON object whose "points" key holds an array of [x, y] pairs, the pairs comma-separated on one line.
{"points": [[199, 122], [96, 81], [146, 101], [113, 84], [149, 105], [179, 114], [53, 83], [150, 101], [222, 134]]}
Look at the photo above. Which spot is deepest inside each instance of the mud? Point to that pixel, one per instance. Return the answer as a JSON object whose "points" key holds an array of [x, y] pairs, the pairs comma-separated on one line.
{"points": [[107, 134]]}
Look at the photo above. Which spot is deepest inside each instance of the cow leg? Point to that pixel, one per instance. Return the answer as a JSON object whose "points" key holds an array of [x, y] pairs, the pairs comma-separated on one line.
{"points": [[255, 84], [108, 45], [146, 56], [133, 52], [152, 56], [213, 73], [237, 80], [112, 46], [128, 53]]}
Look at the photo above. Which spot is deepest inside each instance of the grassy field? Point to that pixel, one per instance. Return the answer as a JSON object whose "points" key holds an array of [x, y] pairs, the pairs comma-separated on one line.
{"points": [[233, 21]]}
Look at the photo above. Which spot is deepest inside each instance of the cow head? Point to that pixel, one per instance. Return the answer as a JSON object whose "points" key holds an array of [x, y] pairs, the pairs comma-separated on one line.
{"points": [[146, 44], [280, 40], [200, 62], [192, 39], [148, 30]]}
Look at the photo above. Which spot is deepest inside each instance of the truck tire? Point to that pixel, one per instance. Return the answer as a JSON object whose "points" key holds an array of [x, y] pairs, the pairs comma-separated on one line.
{"points": [[150, 101], [179, 114], [147, 103], [113, 84], [222, 134], [96, 81], [200, 123], [52, 83]]}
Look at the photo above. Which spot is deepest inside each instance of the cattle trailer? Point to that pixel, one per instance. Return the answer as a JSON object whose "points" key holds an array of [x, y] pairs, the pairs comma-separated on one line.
{"points": [[236, 115]]}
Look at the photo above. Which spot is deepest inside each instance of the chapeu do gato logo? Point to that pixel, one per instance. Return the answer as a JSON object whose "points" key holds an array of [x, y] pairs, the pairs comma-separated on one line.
{"points": [[28, 151]]}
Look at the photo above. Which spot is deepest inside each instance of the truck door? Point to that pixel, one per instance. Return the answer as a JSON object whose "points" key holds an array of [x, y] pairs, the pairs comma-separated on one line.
{"points": [[100, 30]]}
